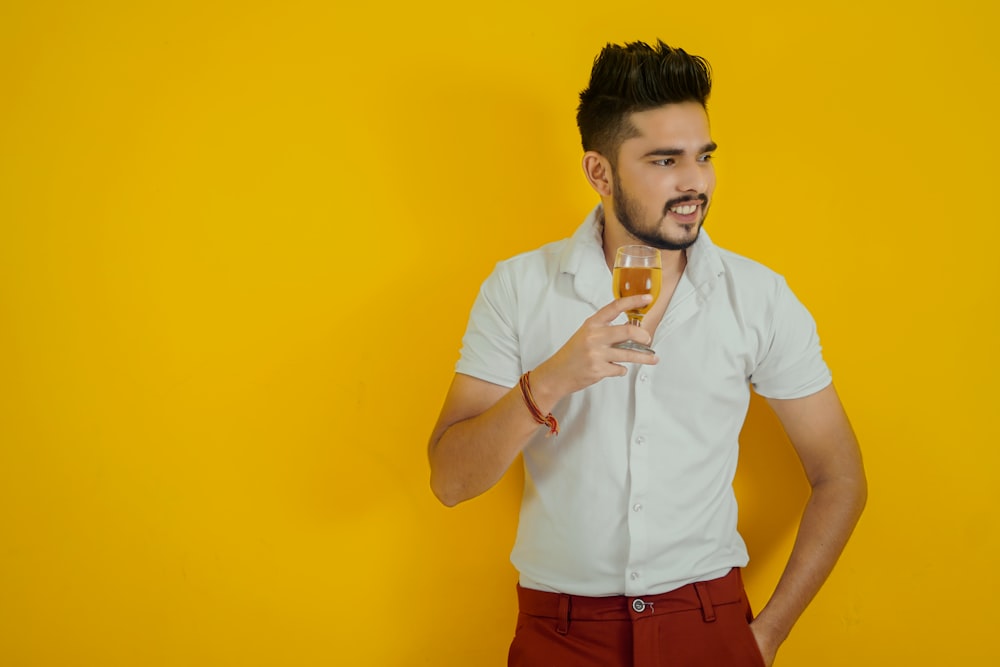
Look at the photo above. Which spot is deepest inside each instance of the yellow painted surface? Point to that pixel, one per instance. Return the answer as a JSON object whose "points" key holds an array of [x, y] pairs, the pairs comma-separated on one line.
{"points": [[239, 242]]}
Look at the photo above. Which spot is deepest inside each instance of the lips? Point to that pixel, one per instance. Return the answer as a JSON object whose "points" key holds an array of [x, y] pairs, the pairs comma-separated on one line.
{"points": [[686, 210], [685, 205], [686, 213]]}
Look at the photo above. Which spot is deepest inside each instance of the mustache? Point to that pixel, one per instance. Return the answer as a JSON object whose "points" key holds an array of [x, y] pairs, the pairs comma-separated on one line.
{"points": [[702, 199]]}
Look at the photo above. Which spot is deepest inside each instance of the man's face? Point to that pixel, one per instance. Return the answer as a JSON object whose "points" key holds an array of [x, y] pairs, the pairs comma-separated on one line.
{"points": [[664, 179]]}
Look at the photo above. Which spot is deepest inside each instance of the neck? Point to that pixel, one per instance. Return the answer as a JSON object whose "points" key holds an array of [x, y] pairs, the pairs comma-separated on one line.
{"points": [[614, 236]]}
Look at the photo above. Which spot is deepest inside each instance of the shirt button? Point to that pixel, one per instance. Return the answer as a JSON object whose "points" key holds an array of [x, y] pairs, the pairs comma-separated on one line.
{"points": [[636, 507], [640, 440], [642, 378], [633, 577]]}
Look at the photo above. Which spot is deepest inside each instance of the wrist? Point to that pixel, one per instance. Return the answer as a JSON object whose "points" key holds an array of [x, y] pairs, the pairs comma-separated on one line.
{"points": [[540, 416], [545, 388], [775, 633]]}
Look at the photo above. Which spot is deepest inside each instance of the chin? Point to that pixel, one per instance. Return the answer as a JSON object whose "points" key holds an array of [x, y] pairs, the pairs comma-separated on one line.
{"points": [[681, 241]]}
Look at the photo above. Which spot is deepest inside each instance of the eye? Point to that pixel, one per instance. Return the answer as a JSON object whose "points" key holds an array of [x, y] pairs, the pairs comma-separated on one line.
{"points": [[665, 162], [705, 158]]}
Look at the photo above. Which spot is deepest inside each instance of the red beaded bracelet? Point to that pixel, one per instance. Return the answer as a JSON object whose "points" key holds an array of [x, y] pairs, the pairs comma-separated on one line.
{"points": [[529, 400]]}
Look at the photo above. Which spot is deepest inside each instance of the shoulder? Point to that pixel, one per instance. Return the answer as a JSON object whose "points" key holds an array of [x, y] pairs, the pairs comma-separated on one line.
{"points": [[529, 267], [750, 283], [570, 255], [541, 257], [748, 271], [761, 294]]}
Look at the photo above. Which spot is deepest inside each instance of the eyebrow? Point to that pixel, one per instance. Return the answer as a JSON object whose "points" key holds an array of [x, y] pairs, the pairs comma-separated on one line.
{"points": [[670, 152]]}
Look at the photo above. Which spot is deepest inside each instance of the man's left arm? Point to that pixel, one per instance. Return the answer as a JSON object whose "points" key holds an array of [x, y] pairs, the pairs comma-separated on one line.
{"points": [[822, 436]]}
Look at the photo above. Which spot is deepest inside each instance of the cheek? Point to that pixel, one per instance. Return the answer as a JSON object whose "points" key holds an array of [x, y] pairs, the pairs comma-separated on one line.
{"points": [[655, 188]]}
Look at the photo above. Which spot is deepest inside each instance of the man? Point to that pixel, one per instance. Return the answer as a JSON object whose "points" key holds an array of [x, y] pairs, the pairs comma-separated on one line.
{"points": [[627, 546]]}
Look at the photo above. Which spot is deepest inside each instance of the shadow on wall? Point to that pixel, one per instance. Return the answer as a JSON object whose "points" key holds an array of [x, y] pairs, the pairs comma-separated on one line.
{"points": [[771, 489]]}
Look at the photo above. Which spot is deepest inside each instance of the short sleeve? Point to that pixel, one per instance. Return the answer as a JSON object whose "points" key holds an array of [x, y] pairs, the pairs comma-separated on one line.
{"points": [[490, 349], [791, 363]]}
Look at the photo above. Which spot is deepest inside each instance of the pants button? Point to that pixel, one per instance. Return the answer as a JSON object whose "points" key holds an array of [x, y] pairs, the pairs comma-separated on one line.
{"points": [[638, 605]]}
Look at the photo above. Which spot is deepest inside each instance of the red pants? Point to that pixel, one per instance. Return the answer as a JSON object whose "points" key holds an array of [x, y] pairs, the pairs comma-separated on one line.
{"points": [[701, 625]]}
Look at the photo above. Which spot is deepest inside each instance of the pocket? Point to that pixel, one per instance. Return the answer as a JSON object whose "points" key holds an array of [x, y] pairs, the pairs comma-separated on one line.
{"points": [[744, 644], [685, 638]]}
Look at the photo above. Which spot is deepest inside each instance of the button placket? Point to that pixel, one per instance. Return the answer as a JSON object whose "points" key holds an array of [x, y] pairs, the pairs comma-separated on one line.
{"points": [[638, 472]]}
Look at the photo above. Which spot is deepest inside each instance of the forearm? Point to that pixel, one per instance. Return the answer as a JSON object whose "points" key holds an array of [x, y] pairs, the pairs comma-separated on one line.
{"points": [[471, 455], [829, 518]]}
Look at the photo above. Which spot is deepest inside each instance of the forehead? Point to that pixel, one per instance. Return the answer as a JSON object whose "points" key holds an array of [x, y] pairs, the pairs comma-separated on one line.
{"points": [[683, 125]]}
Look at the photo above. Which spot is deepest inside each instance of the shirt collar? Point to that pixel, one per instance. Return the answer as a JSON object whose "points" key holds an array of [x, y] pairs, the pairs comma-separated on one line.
{"points": [[583, 259]]}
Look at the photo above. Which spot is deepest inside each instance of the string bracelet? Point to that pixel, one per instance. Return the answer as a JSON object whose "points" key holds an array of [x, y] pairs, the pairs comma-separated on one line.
{"points": [[529, 400]]}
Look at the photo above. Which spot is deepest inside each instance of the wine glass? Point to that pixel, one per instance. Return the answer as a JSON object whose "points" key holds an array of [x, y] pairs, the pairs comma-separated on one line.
{"points": [[638, 270]]}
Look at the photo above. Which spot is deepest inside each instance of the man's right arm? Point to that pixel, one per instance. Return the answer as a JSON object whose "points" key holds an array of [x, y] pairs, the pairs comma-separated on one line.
{"points": [[481, 430], [483, 426]]}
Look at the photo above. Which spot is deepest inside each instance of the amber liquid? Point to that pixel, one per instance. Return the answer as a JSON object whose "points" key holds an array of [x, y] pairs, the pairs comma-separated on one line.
{"points": [[632, 280]]}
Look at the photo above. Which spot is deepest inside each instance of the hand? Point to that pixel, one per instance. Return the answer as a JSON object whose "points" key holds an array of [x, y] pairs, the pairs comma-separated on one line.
{"points": [[767, 642], [588, 356]]}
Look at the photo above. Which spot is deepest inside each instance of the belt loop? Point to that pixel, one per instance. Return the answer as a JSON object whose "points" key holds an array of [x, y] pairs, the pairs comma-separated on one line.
{"points": [[564, 612], [707, 610]]}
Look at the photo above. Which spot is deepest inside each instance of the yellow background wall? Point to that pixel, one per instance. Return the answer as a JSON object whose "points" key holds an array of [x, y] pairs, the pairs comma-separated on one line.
{"points": [[239, 241]]}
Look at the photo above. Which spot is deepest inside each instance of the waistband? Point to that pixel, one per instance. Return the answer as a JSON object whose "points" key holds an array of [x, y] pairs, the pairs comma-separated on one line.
{"points": [[704, 595]]}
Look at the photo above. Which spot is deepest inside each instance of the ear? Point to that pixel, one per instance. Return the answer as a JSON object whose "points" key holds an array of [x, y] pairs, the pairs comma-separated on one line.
{"points": [[597, 169]]}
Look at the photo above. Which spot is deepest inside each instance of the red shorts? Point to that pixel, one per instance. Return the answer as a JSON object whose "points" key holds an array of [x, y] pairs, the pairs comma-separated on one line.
{"points": [[700, 625]]}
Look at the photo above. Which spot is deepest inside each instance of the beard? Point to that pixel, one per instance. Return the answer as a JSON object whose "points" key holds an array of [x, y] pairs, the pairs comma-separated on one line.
{"points": [[628, 211]]}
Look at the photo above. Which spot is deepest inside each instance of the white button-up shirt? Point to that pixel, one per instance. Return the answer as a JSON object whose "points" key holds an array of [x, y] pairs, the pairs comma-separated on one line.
{"points": [[634, 496]]}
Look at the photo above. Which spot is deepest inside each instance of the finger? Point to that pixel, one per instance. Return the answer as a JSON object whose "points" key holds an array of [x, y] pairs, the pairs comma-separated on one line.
{"points": [[627, 332], [636, 357], [623, 332], [610, 312], [622, 358]]}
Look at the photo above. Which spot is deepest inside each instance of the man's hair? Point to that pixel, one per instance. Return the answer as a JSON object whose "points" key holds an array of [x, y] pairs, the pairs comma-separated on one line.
{"points": [[631, 78]]}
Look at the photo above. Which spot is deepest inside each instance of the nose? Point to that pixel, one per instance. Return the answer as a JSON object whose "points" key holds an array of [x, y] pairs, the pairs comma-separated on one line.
{"points": [[692, 177]]}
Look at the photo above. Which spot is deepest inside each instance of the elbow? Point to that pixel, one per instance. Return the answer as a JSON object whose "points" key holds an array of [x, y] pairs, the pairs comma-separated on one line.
{"points": [[445, 483], [862, 492], [446, 500], [446, 494], [853, 492], [847, 490], [859, 487]]}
